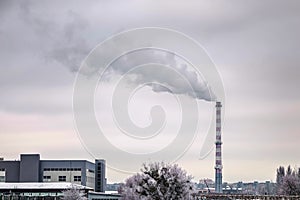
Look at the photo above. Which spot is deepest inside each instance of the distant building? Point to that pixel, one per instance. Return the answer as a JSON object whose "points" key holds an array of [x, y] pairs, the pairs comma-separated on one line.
{"points": [[257, 188], [113, 187], [240, 184], [31, 169], [250, 188]]}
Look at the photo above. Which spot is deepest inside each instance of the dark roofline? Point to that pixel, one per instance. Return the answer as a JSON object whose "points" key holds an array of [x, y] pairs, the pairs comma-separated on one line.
{"points": [[67, 161], [48, 160]]}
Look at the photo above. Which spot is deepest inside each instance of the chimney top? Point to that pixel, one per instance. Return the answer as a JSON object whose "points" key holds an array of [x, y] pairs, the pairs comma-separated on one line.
{"points": [[218, 104]]}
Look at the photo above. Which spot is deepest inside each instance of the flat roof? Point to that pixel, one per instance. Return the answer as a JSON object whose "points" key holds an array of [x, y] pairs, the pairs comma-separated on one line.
{"points": [[43, 186], [104, 194]]}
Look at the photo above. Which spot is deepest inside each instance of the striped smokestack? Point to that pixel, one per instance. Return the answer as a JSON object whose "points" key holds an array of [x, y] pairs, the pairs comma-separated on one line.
{"points": [[218, 167]]}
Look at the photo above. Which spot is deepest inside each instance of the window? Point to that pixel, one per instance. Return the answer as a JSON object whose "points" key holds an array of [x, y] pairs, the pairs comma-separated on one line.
{"points": [[2, 175], [91, 171], [46, 178], [61, 169], [77, 178], [62, 178]]}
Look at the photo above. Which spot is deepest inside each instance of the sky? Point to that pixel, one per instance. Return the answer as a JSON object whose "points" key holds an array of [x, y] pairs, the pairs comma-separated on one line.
{"points": [[254, 46]]}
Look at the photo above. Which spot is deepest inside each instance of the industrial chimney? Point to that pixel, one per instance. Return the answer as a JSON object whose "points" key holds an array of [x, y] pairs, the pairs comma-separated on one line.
{"points": [[218, 167]]}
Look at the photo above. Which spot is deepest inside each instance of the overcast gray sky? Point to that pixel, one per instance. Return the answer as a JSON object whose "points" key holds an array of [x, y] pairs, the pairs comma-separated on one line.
{"points": [[254, 44]]}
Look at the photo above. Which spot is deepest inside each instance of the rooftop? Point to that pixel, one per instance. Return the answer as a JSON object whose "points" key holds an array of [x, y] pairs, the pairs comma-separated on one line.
{"points": [[51, 185]]}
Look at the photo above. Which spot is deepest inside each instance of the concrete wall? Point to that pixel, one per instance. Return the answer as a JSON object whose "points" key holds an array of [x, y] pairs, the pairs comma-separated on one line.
{"points": [[84, 166], [12, 170], [29, 168], [68, 174], [90, 179], [100, 181]]}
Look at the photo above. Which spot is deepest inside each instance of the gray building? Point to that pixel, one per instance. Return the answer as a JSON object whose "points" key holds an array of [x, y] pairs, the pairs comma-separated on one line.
{"points": [[31, 169], [100, 180]]}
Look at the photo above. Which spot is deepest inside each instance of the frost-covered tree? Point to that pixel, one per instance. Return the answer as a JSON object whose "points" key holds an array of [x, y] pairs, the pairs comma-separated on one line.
{"points": [[158, 181], [73, 193], [279, 178], [288, 183], [289, 171], [291, 185]]}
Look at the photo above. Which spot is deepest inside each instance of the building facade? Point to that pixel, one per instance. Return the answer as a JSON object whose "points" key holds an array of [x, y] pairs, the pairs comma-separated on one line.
{"points": [[49, 191], [100, 180], [31, 169]]}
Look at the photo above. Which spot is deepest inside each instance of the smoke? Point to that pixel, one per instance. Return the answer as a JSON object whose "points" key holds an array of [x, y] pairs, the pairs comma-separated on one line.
{"points": [[64, 40], [72, 48], [174, 76]]}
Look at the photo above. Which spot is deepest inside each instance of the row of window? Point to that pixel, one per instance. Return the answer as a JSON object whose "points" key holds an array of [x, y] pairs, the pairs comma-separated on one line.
{"points": [[62, 169], [58, 169], [62, 178]]}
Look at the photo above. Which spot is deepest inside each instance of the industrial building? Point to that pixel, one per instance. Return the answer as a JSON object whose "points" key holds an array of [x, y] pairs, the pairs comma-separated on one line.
{"points": [[31, 169], [49, 191], [37, 191]]}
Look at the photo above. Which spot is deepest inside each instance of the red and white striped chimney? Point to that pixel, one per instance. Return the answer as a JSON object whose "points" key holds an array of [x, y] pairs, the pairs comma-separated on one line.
{"points": [[218, 167]]}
